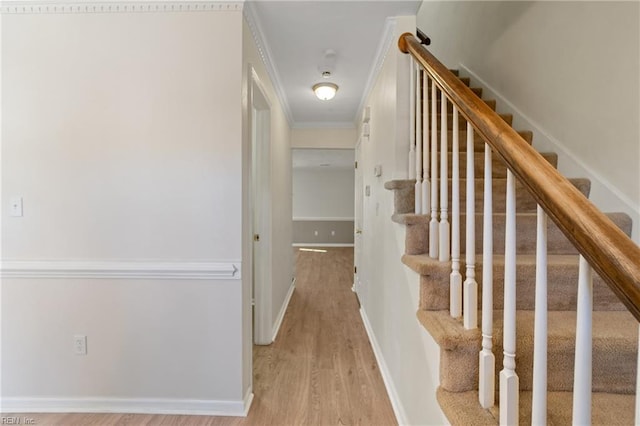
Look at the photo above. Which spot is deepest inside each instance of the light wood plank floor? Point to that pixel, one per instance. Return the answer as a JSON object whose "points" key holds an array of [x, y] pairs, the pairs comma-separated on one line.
{"points": [[320, 371]]}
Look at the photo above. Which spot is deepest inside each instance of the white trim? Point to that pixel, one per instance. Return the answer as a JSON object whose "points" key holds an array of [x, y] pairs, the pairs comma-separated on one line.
{"points": [[259, 38], [388, 35], [323, 219], [398, 409], [568, 163], [121, 270], [322, 245], [248, 400], [238, 408], [283, 310], [85, 6]]}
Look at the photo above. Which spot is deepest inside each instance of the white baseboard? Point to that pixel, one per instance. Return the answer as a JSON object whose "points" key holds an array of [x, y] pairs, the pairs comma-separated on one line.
{"points": [[603, 194], [398, 409], [322, 245], [234, 408], [283, 310]]}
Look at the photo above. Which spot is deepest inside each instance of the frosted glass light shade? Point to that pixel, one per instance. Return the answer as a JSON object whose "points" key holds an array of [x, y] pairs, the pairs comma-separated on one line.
{"points": [[325, 91]]}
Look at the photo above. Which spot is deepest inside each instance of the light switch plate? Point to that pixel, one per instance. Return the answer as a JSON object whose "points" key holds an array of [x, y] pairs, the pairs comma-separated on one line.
{"points": [[16, 207]]}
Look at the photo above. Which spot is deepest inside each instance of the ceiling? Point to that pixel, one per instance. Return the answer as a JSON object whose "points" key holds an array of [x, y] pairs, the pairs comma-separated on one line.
{"points": [[295, 36]]}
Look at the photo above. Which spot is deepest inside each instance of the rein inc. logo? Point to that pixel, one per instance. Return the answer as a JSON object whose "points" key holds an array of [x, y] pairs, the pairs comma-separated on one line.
{"points": [[15, 420]]}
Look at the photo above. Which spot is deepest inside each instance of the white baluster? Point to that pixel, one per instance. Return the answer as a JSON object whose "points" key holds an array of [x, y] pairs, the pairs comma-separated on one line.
{"points": [[539, 403], [455, 280], [426, 202], [582, 370], [487, 359], [418, 129], [412, 122], [433, 224], [470, 284], [509, 382], [444, 250]]}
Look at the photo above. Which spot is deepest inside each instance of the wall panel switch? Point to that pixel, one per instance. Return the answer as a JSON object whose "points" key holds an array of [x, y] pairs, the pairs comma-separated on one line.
{"points": [[16, 207]]}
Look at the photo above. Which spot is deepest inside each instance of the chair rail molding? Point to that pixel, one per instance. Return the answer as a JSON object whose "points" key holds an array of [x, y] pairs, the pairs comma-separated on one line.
{"points": [[91, 6], [225, 270]]}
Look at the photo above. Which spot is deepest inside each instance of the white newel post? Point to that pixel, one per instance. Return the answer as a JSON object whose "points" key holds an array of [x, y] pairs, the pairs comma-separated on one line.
{"points": [[509, 382], [539, 402], [418, 130], [433, 224], [582, 371], [455, 280], [444, 250], [426, 182], [487, 359], [470, 284], [412, 121]]}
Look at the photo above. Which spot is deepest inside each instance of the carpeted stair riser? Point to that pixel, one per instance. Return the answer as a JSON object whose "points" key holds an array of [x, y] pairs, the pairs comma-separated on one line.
{"points": [[417, 241], [614, 350], [562, 277], [404, 197]]}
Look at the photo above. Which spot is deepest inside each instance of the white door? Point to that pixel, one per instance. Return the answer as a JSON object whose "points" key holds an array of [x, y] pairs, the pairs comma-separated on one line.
{"points": [[357, 240], [261, 214]]}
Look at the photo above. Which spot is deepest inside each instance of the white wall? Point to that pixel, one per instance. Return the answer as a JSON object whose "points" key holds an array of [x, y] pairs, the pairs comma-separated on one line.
{"points": [[569, 69], [122, 133], [323, 138], [280, 178], [388, 290], [323, 193]]}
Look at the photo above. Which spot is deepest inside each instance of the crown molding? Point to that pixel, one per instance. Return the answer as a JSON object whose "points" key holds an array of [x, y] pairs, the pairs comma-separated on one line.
{"points": [[259, 38], [91, 6], [383, 49], [121, 270]]}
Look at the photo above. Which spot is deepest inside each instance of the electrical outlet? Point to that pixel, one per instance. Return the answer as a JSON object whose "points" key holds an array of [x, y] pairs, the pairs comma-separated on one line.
{"points": [[333, 233], [315, 233], [80, 344]]}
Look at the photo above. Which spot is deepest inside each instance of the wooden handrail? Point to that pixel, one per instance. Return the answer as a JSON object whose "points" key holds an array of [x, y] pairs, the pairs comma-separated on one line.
{"points": [[607, 249]]}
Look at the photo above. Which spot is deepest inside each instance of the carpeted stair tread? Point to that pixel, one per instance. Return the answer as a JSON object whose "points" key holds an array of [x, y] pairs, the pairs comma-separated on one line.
{"points": [[562, 276], [462, 124], [462, 408], [476, 90], [491, 103], [498, 169], [615, 346], [404, 194], [526, 225], [478, 142]]}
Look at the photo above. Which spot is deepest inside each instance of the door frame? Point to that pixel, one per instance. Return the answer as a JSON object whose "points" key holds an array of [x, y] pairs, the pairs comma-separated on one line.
{"points": [[261, 224]]}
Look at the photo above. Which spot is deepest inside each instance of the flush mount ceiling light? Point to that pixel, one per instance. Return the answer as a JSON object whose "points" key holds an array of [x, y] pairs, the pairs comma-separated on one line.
{"points": [[325, 91]]}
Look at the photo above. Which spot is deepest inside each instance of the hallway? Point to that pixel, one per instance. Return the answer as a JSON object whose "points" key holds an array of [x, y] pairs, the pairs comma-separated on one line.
{"points": [[321, 369]]}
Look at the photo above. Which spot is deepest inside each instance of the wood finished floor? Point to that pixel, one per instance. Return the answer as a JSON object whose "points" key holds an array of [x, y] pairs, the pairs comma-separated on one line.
{"points": [[320, 370]]}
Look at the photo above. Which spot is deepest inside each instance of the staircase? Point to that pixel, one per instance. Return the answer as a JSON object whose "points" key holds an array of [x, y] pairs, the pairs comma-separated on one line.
{"points": [[615, 330]]}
